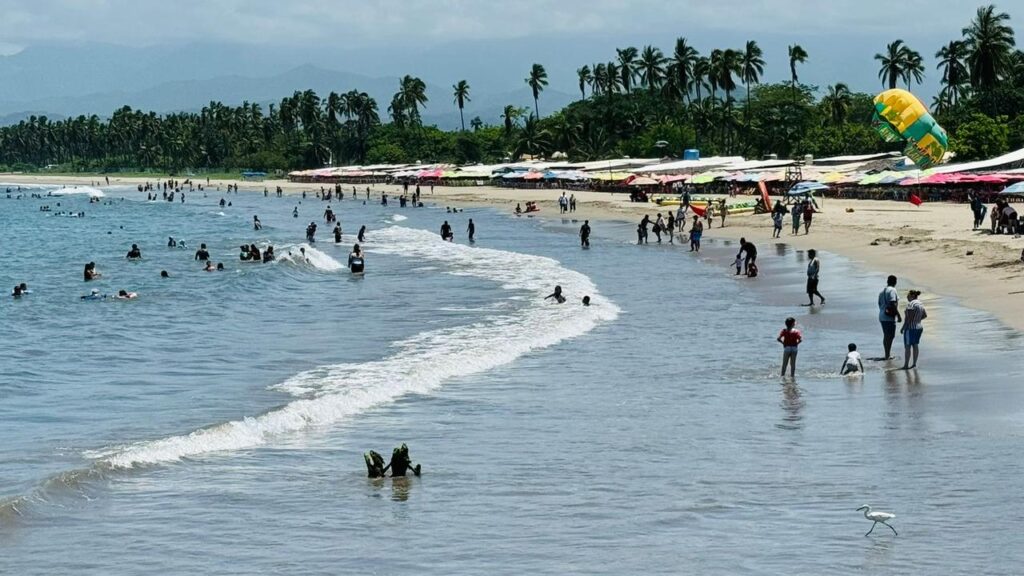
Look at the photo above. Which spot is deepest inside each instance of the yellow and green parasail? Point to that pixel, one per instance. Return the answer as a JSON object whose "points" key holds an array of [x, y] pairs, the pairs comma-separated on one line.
{"points": [[900, 116]]}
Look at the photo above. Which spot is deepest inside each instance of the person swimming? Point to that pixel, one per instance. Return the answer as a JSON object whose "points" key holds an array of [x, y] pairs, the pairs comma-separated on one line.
{"points": [[586, 300], [268, 254], [125, 295], [171, 242], [446, 232], [164, 274], [244, 255], [256, 224], [220, 266], [94, 294], [134, 253], [557, 295], [209, 266], [356, 262]]}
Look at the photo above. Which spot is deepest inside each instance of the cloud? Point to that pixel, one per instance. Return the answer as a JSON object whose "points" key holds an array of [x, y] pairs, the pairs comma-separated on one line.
{"points": [[411, 22]]}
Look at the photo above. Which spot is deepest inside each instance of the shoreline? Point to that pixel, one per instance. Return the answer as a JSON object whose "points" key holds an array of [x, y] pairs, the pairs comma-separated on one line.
{"points": [[930, 247]]}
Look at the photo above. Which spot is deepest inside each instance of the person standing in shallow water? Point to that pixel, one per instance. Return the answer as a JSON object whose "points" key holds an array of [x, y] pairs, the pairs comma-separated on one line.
{"points": [[790, 338], [585, 234], [912, 328], [889, 314], [471, 230], [813, 269]]}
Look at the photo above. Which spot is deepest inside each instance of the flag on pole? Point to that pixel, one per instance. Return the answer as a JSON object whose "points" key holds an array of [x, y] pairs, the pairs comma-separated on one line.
{"points": [[915, 199]]}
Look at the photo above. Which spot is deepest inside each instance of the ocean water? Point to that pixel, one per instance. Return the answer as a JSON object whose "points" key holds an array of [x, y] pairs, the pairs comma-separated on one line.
{"points": [[216, 424]]}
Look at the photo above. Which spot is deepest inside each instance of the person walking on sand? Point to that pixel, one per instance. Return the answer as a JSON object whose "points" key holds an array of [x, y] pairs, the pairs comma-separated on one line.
{"points": [[790, 338], [912, 328], [813, 269], [722, 211], [808, 216], [797, 213], [889, 314]]}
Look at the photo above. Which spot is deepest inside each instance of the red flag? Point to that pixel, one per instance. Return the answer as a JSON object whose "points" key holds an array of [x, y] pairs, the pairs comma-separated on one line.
{"points": [[915, 199], [698, 211]]}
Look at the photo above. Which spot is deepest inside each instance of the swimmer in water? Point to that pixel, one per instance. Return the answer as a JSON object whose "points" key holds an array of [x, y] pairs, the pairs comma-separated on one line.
{"points": [[256, 224], [853, 363], [337, 233], [586, 300], [362, 234], [209, 266], [557, 295], [17, 292], [243, 253], [164, 274], [94, 294], [202, 253], [220, 266], [446, 232], [134, 253], [268, 254], [295, 211], [356, 262], [171, 242], [90, 272], [125, 295]]}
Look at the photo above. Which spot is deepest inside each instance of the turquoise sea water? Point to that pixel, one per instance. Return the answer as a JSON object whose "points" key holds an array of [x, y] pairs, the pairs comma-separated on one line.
{"points": [[216, 423]]}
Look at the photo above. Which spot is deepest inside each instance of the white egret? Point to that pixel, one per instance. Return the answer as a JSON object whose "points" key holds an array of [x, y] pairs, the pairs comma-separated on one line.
{"points": [[877, 518]]}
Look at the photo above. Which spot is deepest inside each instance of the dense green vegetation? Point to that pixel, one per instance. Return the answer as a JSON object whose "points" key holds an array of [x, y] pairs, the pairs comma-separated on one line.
{"points": [[642, 103]]}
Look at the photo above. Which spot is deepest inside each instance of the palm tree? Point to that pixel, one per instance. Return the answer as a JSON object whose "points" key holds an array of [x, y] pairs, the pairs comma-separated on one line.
{"points": [[914, 67], [532, 139], [954, 72], [412, 93], [537, 80], [837, 102], [613, 78], [585, 78], [684, 58], [510, 115], [894, 63], [652, 67], [600, 80], [461, 97], [701, 74], [729, 63], [627, 71], [797, 55], [751, 66], [989, 42]]}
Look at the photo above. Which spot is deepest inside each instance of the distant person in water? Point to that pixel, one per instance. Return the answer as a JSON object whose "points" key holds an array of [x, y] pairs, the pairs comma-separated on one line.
{"points": [[337, 233], [209, 267], [134, 253], [471, 230], [586, 300], [268, 254], [202, 254], [125, 295], [311, 232], [171, 242], [164, 274], [585, 234], [362, 234], [295, 212], [90, 273], [356, 262], [446, 231], [94, 294], [256, 224], [557, 295]]}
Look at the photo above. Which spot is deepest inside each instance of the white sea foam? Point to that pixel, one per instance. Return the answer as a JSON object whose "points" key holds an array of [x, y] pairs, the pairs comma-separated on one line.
{"points": [[399, 218], [73, 190], [313, 257], [419, 364]]}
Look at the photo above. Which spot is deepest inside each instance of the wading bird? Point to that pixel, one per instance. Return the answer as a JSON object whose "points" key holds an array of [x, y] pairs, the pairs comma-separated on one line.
{"points": [[877, 518]]}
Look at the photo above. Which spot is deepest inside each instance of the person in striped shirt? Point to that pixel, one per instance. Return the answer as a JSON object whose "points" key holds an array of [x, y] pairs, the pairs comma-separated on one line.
{"points": [[912, 329]]}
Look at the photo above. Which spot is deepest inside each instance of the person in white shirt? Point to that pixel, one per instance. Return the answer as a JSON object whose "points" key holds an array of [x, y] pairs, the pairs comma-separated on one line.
{"points": [[912, 329], [853, 363]]}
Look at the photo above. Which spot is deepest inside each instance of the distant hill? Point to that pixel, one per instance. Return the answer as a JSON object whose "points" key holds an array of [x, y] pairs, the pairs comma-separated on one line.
{"points": [[190, 95]]}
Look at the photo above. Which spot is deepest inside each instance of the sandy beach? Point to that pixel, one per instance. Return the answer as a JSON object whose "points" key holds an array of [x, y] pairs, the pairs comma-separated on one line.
{"points": [[931, 247]]}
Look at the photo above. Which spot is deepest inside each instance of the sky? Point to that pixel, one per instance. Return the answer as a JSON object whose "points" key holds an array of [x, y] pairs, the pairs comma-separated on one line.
{"points": [[138, 44], [425, 22]]}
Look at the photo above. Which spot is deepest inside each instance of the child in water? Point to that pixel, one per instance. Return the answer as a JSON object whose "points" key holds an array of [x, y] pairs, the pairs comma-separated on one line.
{"points": [[790, 338], [853, 363], [557, 295], [738, 264]]}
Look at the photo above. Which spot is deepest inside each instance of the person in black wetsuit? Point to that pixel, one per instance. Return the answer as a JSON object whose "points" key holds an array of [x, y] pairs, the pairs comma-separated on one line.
{"points": [[337, 233], [585, 234], [202, 254], [557, 295], [362, 234], [644, 223], [401, 463], [446, 231], [356, 262], [471, 230], [134, 253], [748, 250], [268, 254]]}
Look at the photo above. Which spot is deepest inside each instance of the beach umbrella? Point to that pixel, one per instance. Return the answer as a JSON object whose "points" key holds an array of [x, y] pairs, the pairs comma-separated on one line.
{"points": [[644, 181], [1014, 190]]}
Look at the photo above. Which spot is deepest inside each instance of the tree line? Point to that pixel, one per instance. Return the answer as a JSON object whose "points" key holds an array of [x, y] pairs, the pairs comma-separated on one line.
{"points": [[640, 103]]}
